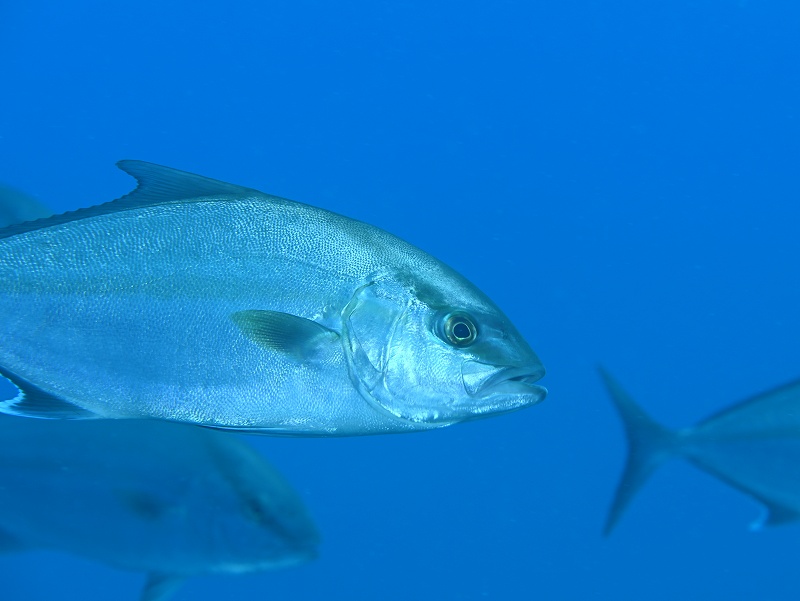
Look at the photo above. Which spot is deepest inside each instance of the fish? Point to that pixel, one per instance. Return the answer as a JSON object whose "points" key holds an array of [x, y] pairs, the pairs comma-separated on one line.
{"points": [[166, 498], [170, 499], [17, 207], [200, 301], [753, 446]]}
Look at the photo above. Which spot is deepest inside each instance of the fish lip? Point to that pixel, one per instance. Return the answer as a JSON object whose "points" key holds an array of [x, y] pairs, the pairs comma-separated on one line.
{"points": [[503, 379], [525, 375]]}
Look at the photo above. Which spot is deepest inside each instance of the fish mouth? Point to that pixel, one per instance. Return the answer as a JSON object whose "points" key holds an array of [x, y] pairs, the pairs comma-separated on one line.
{"points": [[483, 380]]}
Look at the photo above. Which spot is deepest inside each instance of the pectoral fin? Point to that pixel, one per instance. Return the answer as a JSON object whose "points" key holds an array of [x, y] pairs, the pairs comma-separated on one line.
{"points": [[160, 587], [32, 401], [285, 333]]}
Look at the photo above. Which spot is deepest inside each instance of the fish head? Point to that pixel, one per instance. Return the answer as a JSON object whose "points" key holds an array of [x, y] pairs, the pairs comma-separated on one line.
{"points": [[435, 350]]}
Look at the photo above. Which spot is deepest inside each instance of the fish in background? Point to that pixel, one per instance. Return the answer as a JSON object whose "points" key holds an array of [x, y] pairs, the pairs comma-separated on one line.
{"points": [[753, 446], [200, 301], [169, 499], [16, 207]]}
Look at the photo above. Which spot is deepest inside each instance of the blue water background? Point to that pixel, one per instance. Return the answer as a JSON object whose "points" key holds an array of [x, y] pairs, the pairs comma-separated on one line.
{"points": [[621, 177]]}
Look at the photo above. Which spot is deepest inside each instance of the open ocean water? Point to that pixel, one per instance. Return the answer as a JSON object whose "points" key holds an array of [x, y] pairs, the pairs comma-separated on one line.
{"points": [[620, 177]]}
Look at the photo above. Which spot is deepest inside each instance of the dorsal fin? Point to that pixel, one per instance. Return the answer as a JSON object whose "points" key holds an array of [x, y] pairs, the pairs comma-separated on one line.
{"points": [[157, 185]]}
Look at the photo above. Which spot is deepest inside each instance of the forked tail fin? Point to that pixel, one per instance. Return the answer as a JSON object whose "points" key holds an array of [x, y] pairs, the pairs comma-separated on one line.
{"points": [[649, 445]]}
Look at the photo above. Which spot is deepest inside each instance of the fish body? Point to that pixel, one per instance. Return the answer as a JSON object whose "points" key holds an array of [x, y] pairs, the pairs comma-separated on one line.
{"points": [[753, 446], [169, 499], [200, 301]]}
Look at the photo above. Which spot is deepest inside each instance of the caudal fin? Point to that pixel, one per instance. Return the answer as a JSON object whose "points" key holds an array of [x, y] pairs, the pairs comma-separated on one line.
{"points": [[649, 445]]}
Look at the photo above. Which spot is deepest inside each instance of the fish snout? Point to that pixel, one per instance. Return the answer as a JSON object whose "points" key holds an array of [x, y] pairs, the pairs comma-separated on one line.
{"points": [[484, 380]]}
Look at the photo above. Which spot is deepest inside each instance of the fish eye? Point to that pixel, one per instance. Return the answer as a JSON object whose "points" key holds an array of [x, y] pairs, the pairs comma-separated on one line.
{"points": [[459, 329]]}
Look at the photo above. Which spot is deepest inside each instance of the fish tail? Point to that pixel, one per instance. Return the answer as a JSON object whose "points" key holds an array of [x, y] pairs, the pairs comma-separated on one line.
{"points": [[649, 445]]}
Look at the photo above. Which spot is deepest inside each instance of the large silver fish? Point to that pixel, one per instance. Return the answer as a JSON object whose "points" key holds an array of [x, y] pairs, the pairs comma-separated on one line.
{"points": [[169, 499], [200, 301], [754, 446]]}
